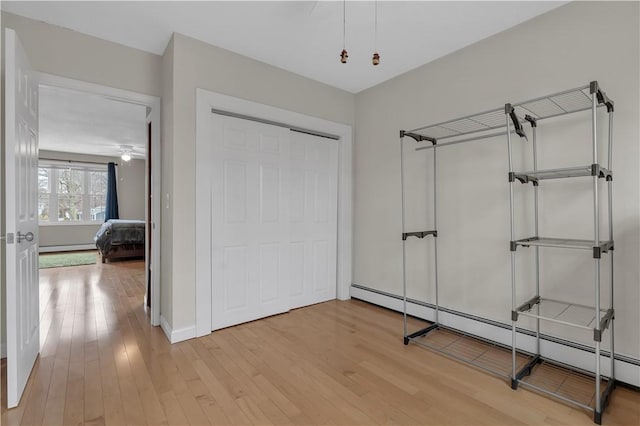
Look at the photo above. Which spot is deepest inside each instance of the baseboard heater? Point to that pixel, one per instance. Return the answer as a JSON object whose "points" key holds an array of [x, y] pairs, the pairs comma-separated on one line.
{"points": [[77, 247]]}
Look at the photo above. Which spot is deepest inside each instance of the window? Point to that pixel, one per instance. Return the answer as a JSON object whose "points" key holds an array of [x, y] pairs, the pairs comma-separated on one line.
{"points": [[71, 192]]}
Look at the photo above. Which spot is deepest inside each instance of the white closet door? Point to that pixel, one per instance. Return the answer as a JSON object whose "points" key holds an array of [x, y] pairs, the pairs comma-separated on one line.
{"points": [[313, 195], [273, 220], [249, 227]]}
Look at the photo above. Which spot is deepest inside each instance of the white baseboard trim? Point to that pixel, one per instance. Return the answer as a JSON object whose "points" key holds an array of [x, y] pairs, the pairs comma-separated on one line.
{"points": [[77, 247], [627, 369], [164, 325], [178, 335], [3, 350]]}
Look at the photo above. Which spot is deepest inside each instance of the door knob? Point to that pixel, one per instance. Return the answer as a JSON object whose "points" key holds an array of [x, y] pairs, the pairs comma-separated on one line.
{"points": [[28, 236]]}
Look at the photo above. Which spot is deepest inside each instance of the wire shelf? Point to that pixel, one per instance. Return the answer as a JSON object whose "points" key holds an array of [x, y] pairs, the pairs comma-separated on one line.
{"points": [[477, 352], [557, 104], [570, 172], [489, 120], [561, 312], [569, 384], [564, 243], [483, 122]]}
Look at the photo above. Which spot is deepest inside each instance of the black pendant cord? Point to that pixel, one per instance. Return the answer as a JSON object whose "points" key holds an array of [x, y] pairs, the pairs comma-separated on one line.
{"points": [[343, 54], [375, 60], [344, 24]]}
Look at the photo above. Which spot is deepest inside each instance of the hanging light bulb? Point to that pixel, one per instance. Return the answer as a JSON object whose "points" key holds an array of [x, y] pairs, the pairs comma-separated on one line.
{"points": [[126, 151], [375, 60], [343, 54]]}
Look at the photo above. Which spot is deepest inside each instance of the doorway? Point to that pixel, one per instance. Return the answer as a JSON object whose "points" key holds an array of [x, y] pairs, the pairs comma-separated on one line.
{"points": [[145, 175]]}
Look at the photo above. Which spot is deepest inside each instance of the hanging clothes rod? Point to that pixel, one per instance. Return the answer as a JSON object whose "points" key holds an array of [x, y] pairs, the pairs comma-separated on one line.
{"points": [[75, 161], [462, 141], [275, 123]]}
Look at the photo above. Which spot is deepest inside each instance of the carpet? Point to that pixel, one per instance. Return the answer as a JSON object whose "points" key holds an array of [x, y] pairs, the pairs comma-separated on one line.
{"points": [[67, 259]]}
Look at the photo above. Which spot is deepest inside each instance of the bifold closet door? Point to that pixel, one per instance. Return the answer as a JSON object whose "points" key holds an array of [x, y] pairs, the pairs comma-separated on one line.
{"points": [[249, 250], [313, 211], [273, 220]]}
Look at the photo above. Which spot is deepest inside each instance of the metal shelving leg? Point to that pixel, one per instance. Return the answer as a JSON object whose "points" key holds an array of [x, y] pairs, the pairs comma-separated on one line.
{"points": [[598, 410], [435, 240], [612, 351], [612, 372], [596, 231], [612, 375], [404, 249], [612, 368], [514, 379], [536, 233]]}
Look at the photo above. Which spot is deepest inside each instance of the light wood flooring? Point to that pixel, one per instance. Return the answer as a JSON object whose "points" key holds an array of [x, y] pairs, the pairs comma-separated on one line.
{"points": [[333, 363]]}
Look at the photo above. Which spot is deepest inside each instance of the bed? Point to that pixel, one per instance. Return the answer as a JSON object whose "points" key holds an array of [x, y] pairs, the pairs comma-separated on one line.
{"points": [[119, 238]]}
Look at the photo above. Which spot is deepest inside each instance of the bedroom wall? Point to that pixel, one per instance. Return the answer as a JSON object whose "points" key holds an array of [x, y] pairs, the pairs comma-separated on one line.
{"points": [[562, 49], [200, 65], [131, 189], [59, 51], [59, 236], [71, 54]]}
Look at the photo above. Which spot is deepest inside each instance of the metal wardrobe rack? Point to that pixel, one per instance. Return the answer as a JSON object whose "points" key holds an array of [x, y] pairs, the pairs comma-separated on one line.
{"points": [[509, 121], [598, 319]]}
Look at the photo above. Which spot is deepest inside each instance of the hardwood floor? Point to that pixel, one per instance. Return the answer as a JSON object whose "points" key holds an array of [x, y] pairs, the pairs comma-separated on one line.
{"points": [[332, 363]]}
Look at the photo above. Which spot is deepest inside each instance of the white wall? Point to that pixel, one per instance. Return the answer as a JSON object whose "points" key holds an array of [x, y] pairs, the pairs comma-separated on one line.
{"points": [[565, 48], [200, 65], [59, 51], [59, 236], [131, 189]]}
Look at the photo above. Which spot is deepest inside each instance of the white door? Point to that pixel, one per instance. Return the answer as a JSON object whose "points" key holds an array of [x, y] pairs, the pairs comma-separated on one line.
{"points": [[21, 213], [248, 228], [313, 215], [273, 220]]}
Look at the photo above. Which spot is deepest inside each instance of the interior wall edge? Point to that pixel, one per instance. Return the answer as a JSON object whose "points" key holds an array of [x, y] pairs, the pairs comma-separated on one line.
{"points": [[177, 335]]}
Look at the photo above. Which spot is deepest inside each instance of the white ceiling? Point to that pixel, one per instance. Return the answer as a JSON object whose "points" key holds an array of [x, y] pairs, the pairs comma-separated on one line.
{"points": [[304, 37], [83, 123]]}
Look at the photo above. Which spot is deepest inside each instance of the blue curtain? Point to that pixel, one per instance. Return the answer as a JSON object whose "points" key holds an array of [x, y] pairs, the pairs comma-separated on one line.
{"points": [[111, 210]]}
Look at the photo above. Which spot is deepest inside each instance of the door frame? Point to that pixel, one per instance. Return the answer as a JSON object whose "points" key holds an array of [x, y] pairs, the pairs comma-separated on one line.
{"points": [[153, 103], [206, 101]]}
